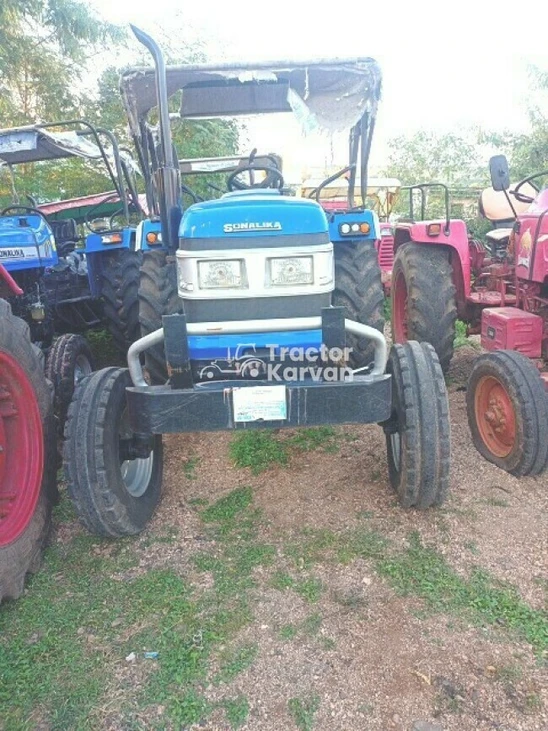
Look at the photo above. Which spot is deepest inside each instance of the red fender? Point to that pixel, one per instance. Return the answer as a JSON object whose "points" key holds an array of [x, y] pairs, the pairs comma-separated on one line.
{"points": [[455, 239], [8, 286]]}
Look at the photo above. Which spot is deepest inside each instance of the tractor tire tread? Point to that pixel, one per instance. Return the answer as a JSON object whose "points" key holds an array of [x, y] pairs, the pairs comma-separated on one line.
{"points": [[432, 307]]}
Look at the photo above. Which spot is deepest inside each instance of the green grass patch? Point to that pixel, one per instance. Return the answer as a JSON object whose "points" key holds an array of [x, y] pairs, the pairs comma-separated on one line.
{"points": [[312, 624], [423, 572], [189, 468], [310, 589], [261, 449], [461, 337], [234, 661], [237, 711], [288, 632], [281, 581], [258, 450], [303, 710]]}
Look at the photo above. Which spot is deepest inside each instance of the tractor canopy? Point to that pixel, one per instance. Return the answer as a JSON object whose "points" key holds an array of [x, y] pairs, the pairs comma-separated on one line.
{"points": [[71, 139], [332, 94]]}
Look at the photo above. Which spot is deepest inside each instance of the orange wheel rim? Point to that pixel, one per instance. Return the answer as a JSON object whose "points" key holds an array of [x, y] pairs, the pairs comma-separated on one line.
{"points": [[495, 416], [399, 309]]}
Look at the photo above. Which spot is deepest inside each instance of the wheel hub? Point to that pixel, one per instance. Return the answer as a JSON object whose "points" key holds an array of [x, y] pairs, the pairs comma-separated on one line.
{"points": [[21, 450], [495, 416]]}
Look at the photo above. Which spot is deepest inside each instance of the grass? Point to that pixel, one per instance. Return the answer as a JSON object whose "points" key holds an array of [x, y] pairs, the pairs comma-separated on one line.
{"points": [[234, 661], [461, 337], [303, 710], [262, 449], [63, 645], [423, 572], [105, 352]]}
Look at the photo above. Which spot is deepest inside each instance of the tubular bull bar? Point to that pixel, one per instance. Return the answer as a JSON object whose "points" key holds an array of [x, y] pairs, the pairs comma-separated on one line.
{"points": [[183, 406]]}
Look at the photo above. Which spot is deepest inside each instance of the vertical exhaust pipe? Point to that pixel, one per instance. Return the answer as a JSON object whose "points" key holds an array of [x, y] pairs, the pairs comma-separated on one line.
{"points": [[168, 183]]}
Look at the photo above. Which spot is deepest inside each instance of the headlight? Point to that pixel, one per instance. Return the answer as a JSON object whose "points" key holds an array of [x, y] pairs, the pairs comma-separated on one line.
{"points": [[291, 270], [112, 239], [222, 274]]}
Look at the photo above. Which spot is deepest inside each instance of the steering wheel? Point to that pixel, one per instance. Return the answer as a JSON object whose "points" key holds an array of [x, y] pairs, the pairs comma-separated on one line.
{"points": [[273, 179], [27, 209], [522, 197]]}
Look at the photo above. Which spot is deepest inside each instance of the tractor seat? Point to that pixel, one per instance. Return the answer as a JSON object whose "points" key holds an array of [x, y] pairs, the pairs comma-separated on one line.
{"points": [[65, 234], [494, 206], [498, 234]]}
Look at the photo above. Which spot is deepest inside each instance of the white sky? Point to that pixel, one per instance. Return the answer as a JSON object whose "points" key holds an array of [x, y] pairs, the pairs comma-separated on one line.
{"points": [[445, 64]]}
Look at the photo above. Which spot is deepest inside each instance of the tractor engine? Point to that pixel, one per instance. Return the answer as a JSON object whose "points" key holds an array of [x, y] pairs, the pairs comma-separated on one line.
{"points": [[255, 256]]}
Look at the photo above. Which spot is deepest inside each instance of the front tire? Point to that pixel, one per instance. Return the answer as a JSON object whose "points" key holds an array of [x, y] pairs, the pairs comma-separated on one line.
{"points": [[507, 408], [27, 455], [424, 307], [358, 288], [418, 433], [158, 296], [114, 495]]}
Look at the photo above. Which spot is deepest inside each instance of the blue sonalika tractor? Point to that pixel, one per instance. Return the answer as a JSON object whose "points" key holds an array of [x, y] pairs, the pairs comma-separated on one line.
{"points": [[70, 282], [259, 340]]}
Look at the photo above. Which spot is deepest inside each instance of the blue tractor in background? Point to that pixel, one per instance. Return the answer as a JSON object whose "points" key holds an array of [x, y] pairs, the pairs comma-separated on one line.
{"points": [[71, 277], [253, 278]]}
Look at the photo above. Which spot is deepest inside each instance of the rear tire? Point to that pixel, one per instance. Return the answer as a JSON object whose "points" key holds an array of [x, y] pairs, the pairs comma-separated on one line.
{"points": [[69, 361], [424, 307], [28, 471], [507, 408], [119, 290], [418, 434], [157, 297], [112, 497], [358, 288]]}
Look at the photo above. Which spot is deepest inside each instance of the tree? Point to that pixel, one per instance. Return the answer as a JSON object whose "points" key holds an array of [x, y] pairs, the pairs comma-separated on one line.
{"points": [[44, 47]]}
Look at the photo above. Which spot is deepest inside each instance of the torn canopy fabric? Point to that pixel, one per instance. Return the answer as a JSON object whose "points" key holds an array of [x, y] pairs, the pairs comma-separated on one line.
{"points": [[331, 95], [34, 144]]}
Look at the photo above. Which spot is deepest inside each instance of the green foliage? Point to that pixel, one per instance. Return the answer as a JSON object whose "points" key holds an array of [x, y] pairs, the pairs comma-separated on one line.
{"points": [[461, 336], [303, 711], [261, 449], [44, 45], [423, 572], [258, 449], [234, 661], [237, 711], [430, 157]]}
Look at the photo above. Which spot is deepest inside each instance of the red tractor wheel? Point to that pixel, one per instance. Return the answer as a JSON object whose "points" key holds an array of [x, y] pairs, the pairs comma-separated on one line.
{"points": [[508, 412], [27, 455], [423, 298]]}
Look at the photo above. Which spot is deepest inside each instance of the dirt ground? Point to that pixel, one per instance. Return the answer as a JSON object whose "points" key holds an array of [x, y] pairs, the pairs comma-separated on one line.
{"points": [[381, 662], [346, 612]]}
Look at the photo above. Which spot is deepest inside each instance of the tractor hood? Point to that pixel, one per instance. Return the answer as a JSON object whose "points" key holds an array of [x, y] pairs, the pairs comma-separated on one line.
{"points": [[253, 214], [25, 243]]}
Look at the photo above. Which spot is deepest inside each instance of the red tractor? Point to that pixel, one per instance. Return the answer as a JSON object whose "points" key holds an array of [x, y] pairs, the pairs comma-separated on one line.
{"points": [[499, 290], [27, 449]]}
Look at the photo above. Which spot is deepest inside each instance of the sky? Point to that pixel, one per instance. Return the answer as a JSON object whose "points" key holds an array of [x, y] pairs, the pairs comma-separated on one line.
{"points": [[445, 65]]}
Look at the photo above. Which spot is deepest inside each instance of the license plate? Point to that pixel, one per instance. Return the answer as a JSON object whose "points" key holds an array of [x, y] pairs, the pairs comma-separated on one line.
{"points": [[260, 403]]}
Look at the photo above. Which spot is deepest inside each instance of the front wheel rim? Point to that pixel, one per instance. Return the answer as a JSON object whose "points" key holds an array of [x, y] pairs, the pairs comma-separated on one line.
{"points": [[495, 416], [82, 368], [21, 450], [136, 473]]}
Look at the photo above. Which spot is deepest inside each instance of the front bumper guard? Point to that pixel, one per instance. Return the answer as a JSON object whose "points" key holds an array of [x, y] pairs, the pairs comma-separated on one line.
{"points": [[210, 406]]}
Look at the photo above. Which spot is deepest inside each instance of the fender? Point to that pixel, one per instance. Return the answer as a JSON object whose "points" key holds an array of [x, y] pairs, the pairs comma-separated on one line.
{"points": [[455, 240], [8, 286]]}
